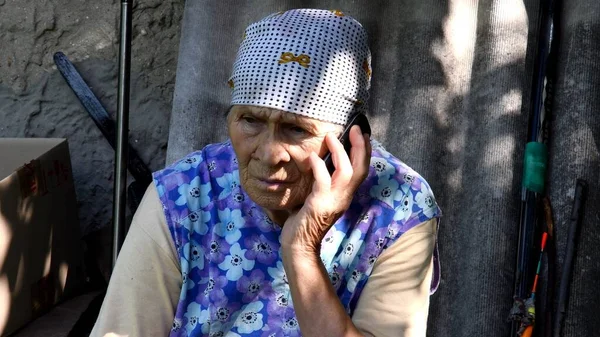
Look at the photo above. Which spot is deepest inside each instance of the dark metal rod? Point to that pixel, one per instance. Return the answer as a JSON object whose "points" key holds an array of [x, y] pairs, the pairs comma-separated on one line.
{"points": [[529, 200], [122, 130], [565, 280]]}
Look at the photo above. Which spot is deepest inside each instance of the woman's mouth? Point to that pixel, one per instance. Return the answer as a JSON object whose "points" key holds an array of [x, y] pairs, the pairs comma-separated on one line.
{"points": [[272, 184]]}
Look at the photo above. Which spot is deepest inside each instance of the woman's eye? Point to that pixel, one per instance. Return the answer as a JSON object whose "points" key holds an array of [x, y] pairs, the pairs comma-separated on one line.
{"points": [[249, 120], [297, 130]]}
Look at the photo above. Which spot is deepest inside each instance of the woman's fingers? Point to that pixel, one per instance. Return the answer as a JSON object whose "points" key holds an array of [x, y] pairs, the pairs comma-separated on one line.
{"points": [[360, 154], [341, 161], [332, 194], [320, 173], [350, 171]]}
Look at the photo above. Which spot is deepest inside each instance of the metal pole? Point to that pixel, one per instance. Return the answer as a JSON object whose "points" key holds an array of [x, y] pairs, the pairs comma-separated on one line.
{"points": [[528, 224], [119, 196], [570, 252]]}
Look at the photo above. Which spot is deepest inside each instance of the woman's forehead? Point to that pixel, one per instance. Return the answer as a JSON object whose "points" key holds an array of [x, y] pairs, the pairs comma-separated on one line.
{"points": [[281, 116]]}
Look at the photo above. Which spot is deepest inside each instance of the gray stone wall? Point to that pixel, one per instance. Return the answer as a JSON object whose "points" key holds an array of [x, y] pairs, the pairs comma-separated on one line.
{"points": [[36, 102]]}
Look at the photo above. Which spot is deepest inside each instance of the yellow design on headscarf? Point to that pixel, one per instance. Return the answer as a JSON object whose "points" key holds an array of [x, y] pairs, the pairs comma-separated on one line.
{"points": [[244, 37], [367, 69], [230, 82], [337, 12], [302, 59]]}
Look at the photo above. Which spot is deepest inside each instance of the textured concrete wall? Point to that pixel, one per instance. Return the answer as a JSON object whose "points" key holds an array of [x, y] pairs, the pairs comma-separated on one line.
{"points": [[36, 102], [575, 153]]}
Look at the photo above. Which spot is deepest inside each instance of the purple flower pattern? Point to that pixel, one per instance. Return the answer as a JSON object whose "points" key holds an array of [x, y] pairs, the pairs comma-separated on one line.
{"points": [[253, 286], [215, 248], [235, 284], [261, 249]]}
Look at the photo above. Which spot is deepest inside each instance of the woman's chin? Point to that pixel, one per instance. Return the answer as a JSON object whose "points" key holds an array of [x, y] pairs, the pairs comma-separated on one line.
{"points": [[274, 196], [276, 200], [272, 203]]}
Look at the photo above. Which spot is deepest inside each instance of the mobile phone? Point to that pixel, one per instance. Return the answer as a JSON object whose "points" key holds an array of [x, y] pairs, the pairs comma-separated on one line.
{"points": [[360, 120]]}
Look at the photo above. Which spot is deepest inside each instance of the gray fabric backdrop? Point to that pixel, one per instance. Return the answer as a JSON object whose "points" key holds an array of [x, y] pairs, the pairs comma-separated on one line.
{"points": [[450, 97]]}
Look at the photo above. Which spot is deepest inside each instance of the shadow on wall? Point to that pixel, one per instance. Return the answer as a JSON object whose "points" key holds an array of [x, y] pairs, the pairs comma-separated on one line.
{"points": [[470, 145], [451, 99]]}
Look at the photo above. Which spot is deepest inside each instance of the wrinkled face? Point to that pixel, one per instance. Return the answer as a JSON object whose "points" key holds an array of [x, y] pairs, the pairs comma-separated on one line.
{"points": [[272, 148]]}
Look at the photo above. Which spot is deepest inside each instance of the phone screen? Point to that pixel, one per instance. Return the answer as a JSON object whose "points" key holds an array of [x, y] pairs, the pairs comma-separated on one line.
{"points": [[360, 120]]}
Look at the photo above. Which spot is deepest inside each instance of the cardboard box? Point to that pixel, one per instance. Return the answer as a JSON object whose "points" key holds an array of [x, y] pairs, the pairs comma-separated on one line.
{"points": [[40, 247]]}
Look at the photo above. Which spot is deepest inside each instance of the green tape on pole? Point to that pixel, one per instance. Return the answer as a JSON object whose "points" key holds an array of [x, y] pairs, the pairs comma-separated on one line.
{"points": [[534, 172]]}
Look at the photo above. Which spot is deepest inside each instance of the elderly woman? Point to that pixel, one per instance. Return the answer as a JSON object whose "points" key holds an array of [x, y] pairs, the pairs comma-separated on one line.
{"points": [[254, 236]]}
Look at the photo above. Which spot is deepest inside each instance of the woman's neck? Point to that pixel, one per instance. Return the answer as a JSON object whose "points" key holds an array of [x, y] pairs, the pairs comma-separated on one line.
{"points": [[278, 216]]}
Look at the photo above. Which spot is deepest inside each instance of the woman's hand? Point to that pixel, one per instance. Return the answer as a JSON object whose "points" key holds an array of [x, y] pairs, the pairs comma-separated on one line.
{"points": [[331, 195], [317, 307]]}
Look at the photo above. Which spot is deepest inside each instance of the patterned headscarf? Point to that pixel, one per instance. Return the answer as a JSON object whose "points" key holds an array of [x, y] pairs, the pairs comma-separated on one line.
{"points": [[311, 62]]}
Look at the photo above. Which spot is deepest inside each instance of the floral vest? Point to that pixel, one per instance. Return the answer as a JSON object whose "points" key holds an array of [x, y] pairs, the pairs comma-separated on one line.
{"points": [[234, 283]]}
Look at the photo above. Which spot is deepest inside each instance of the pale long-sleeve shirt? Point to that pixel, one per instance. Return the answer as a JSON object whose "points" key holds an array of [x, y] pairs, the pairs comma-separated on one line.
{"points": [[146, 283]]}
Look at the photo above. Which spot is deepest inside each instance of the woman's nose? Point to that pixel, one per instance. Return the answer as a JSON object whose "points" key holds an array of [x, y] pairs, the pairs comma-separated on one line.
{"points": [[272, 151]]}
